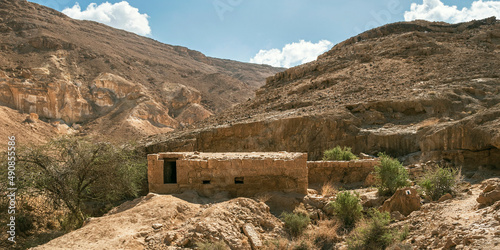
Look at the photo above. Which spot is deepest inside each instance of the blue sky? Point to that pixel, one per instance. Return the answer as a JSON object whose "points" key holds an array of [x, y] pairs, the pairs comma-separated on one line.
{"points": [[240, 29]]}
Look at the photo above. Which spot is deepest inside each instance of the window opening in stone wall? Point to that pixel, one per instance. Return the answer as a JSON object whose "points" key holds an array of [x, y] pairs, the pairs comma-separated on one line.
{"points": [[169, 171], [238, 180], [206, 181]]}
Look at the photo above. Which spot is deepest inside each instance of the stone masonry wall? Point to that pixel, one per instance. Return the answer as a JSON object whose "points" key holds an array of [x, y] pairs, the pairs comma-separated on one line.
{"points": [[257, 173]]}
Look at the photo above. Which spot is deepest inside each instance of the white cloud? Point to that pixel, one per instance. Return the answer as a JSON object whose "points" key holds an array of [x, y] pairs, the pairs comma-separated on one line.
{"points": [[435, 10], [119, 15], [292, 54]]}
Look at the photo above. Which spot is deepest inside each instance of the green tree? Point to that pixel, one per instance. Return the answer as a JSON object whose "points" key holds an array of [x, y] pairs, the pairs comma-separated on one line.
{"points": [[75, 172]]}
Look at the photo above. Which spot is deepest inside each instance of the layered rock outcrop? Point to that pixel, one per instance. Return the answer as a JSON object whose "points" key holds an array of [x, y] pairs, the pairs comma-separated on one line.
{"points": [[88, 73], [419, 91]]}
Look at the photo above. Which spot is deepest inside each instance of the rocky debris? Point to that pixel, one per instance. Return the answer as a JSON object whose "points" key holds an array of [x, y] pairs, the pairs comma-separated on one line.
{"points": [[405, 201], [252, 235], [455, 224], [223, 221], [490, 193], [167, 222]]}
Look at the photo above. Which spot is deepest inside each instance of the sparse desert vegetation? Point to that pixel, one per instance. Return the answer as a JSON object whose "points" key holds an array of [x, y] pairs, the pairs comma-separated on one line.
{"points": [[347, 208], [63, 182], [390, 175], [339, 153], [439, 182]]}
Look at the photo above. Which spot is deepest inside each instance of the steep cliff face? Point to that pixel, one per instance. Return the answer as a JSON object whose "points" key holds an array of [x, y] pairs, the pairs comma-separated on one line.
{"points": [[80, 71], [419, 91]]}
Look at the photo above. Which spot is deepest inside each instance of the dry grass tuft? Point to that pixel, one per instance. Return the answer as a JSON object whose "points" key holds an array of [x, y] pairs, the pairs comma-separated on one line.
{"points": [[328, 189], [325, 234], [322, 236]]}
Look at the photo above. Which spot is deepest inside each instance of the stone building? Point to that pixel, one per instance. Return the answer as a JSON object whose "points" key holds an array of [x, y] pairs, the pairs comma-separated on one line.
{"points": [[240, 174]]}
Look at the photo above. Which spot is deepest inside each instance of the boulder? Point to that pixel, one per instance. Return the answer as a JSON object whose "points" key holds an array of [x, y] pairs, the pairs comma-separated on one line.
{"points": [[491, 193], [405, 200]]}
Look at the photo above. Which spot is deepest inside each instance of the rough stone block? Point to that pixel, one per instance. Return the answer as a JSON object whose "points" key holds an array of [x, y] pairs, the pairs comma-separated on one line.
{"points": [[253, 236]]}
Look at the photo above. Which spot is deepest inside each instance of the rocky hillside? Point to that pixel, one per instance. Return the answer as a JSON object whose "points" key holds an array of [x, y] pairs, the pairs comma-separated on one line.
{"points": [[469, 220], [160, 221], [113, 82], [417, 90]]}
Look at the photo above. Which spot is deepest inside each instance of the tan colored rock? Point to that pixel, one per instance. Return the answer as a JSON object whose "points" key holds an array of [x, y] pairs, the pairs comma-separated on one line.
{"points": [[445, 197], [116, 85], [193, 113], [491, 193], [405, 201], [58, 100], [33, 116], [180, 95], [253, 236]]}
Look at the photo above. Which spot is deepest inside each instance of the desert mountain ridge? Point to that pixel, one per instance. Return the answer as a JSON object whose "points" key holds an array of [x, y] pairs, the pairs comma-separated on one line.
{"points": [[115, 83], [416, 90]]}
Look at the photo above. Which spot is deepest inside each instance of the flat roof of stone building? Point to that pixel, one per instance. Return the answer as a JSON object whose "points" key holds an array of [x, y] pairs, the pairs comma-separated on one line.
{"points": [[232, 155]]}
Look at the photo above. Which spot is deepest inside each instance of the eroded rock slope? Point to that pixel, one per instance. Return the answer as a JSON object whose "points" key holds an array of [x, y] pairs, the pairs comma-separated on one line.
{"points": [[417, 90], [115, 83]]}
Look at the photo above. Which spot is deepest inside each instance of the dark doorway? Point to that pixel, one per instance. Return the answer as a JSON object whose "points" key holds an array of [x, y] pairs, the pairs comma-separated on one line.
{"points": [[169, 171]]}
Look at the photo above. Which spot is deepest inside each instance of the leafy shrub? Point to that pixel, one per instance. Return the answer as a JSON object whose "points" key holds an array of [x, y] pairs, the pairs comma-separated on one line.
{"points": [[219, 245], [373, 233], [439, 182], [390, 175], [339, 154], [347, 208], [295, 223]]}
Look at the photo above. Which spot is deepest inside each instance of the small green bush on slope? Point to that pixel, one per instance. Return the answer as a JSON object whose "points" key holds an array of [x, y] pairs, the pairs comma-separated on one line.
{"points": [[339, 154]]}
